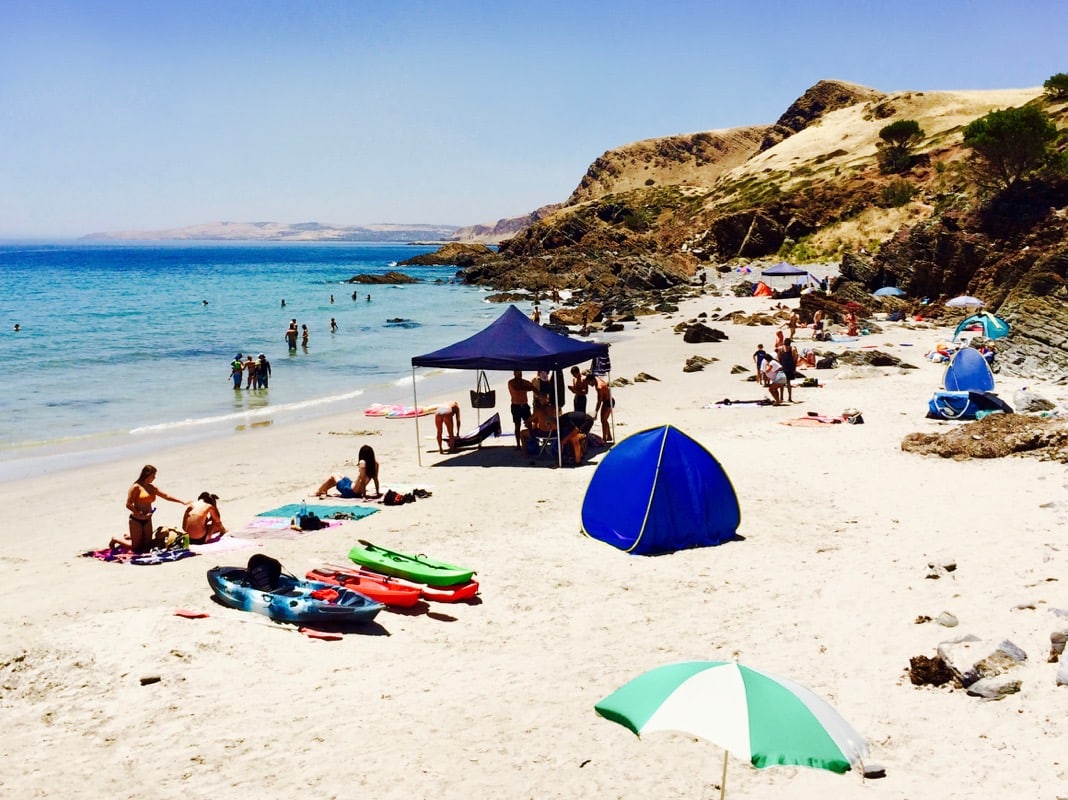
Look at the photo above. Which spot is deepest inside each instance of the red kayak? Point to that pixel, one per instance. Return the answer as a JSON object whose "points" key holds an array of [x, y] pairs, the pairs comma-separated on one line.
{"points": [[440, 594], [386, 590]]}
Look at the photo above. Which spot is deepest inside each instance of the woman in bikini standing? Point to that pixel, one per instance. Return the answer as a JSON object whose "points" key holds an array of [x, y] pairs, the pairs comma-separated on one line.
{"points": [[139, 502]]}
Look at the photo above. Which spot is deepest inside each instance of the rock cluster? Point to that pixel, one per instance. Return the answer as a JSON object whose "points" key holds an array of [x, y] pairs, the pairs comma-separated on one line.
{"points": [[996, 436]]}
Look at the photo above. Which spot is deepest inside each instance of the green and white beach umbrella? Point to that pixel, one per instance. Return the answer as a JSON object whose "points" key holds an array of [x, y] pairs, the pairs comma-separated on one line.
{"points": [[767, 720]]}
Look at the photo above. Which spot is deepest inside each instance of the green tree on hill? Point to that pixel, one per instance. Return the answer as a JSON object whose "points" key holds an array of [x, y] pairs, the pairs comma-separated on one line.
{"points": [[895, 149], [1056, 86], [1009, 145]]}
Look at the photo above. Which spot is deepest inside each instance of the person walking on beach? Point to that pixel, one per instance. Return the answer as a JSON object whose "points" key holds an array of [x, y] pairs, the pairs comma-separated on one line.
{"points": [[788, 360], [263, 372], [518, 390], [304, 336], [140, 502], [759, 357], [250, 372], [792, 323], [605, 403], [236, 367], [291, 335]]}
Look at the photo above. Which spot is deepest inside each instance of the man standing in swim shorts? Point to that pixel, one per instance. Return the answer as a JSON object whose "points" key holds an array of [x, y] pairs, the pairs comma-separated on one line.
{"points": [[518, 389]]}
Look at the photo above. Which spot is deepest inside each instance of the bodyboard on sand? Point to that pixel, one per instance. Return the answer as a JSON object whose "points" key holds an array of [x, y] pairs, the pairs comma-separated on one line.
{"points": [[380, 409], [409, 412]]}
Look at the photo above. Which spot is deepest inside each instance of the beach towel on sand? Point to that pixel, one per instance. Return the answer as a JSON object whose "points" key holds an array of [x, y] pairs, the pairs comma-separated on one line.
{"points": [[322, 511], [122, 555]]}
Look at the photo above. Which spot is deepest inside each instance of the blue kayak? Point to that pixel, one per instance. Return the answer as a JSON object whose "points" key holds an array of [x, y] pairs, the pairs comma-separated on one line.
{"points": [[263, 588]]}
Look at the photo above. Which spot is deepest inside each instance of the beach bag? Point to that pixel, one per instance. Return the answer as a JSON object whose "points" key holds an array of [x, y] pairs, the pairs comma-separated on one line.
{"points": [[951, 405], [310, 522], [482, 396], [393, 498]]}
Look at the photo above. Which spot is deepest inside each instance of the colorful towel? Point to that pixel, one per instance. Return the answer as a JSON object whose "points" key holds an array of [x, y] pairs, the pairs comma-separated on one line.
{"points": [[322, 512], [121, 555], [270, 528], [223, 545], [813, 421]]}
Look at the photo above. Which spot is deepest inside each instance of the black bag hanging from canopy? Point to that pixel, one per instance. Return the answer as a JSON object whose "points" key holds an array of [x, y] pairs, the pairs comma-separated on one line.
{"points": [[482, 396]]}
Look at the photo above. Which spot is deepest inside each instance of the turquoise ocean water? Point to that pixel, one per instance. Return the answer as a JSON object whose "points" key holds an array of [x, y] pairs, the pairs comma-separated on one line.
{"points": [[117, 350]]}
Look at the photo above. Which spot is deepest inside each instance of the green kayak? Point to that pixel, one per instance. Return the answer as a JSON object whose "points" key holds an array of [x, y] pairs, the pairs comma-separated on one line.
{"points": [[413, 567]]}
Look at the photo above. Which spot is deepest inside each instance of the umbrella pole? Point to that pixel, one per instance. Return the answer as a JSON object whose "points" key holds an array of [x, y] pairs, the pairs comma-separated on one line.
{"points": [[723, 779]]}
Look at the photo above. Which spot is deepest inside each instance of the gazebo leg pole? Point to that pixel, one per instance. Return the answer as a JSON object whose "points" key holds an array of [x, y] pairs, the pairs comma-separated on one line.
{"points": [[612, 407], [415, 405]]}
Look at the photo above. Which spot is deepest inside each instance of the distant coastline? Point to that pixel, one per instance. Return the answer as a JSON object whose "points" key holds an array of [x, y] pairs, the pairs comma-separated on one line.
{"points": [[310, 232]]}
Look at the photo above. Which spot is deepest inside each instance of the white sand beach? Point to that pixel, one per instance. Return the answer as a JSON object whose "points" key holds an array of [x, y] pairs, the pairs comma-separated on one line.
{"points": [[495, 699]]}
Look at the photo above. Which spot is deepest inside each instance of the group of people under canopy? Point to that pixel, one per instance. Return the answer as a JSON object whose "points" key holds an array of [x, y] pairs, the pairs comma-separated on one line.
{"points": [[543, 416]]}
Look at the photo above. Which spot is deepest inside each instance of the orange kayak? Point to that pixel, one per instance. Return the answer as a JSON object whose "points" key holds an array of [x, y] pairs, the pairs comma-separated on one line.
{"points": [[386, 590], [440, 594]]}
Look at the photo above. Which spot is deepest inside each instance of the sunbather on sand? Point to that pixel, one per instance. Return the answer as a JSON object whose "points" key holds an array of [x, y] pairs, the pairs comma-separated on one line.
{"points": [[202, 521], [347, 487]]}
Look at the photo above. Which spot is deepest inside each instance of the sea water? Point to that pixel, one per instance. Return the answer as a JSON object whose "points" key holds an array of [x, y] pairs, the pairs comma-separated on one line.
{"points": [[124, 347]]}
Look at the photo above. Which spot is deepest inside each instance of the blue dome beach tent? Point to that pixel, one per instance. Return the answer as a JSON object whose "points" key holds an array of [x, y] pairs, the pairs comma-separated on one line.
{"points": [[658, 491], [968, 372], [989, 326]]}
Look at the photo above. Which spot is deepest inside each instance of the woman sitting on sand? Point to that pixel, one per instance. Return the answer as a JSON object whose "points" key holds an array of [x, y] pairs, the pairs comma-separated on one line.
{"points": [[202, 521], [347, 487], [140, 502]]}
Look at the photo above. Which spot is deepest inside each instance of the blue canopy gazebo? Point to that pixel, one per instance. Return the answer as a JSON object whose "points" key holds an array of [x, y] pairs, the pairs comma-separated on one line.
{"points": [[510, 342], [785, 270]]}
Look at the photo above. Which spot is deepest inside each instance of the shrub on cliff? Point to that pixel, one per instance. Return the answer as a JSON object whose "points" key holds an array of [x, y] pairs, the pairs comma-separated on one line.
{"points": [[1009, 145], [895, 149], [1056, 86]]}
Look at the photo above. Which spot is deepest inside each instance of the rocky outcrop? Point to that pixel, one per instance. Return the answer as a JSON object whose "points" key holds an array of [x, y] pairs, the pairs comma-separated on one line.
{"points": [[996, 436], [695, 159], [387, 278], [1012, 254], [453, 254], [825, 96]]}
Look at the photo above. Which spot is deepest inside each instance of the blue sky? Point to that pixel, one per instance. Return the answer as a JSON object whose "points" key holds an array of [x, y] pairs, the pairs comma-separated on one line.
{"points": [[141, 116]]}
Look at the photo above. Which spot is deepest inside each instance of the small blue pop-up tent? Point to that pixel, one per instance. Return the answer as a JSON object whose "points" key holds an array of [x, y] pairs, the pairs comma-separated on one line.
{"points": [[968, 371], [659, 491]]}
